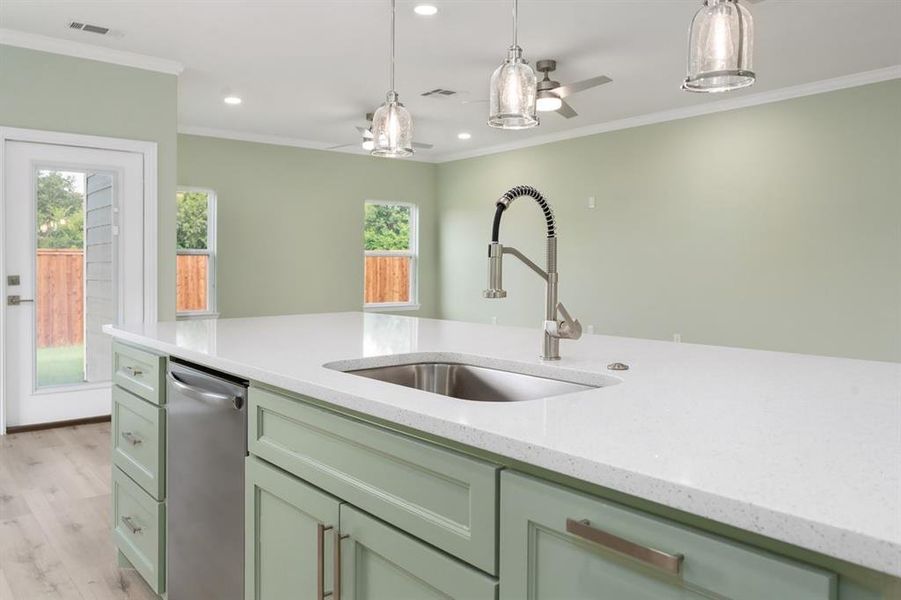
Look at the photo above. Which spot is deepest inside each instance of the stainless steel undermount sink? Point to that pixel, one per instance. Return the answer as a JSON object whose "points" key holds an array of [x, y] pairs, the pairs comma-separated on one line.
{"points": [[470, 382]]}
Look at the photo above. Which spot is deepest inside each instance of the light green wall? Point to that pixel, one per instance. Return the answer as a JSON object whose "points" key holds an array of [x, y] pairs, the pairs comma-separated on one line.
{"points": [[774, 227], [291, 222], [39, 90]]}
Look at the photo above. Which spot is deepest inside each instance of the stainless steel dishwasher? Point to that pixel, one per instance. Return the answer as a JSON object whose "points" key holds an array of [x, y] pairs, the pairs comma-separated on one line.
{"points": [[206, 429]]}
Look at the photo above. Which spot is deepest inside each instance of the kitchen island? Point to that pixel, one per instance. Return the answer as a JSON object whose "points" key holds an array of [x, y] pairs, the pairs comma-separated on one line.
{"points": [[794, 455]]}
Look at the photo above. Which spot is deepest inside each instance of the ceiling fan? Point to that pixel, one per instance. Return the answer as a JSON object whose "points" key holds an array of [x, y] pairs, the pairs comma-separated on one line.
{"points": [[366, 133], [551, 93]]}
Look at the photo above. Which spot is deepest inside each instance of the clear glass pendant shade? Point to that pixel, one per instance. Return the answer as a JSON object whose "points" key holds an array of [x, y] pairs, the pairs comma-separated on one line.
{"points": [[721, 47], [392, 129], [392, 125], [513, 93]]}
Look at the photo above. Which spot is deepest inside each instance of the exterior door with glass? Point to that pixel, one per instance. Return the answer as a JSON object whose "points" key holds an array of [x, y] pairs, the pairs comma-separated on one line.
{"points": [[73, 256]]}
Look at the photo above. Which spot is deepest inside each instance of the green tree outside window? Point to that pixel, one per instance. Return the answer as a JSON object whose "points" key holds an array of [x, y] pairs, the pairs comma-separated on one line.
{"points": [[191, 220], [60, 211], [386, 227]]}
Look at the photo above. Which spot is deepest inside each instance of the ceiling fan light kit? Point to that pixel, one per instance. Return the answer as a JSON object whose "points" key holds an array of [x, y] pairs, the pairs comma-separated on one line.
{"points": [[551, 94], [720, 48], [392, 125], [513, 92], [547, 101]]}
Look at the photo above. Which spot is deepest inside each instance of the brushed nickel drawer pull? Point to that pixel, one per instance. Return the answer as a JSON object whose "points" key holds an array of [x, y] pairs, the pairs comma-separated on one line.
{"points": [[132, 439], [129, 522], [668, 563], [133, 371], [336, 584], [320, 561]]}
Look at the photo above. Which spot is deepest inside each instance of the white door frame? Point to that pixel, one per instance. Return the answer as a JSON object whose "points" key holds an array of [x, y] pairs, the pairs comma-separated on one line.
{"points": [[149, 151]]}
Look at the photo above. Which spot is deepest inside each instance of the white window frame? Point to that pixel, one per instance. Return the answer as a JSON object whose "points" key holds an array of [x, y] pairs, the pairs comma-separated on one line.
{"points": [[210, 252], [412, 253]]}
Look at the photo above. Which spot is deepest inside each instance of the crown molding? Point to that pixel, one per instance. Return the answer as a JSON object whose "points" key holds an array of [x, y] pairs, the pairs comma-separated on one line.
{"points": [[788, 93], [798, 91], [278, 140], [33, 41]]}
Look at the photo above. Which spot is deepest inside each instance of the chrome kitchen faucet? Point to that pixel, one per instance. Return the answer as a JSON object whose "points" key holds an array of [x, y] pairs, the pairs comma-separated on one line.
{"points": [[555, 329]]}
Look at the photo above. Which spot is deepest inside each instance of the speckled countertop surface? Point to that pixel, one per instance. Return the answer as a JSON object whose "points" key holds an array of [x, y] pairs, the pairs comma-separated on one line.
{"points": [[802, 449]]}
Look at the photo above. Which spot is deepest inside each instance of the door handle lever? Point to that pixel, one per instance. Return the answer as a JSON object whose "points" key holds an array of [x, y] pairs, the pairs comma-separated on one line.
{"points": [[14, 300]]}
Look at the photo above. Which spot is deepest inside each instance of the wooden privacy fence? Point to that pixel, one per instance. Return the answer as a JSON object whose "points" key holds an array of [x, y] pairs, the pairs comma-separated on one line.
{"points": [[191, 282], [59, 305], [387, 279], [59, 302]]}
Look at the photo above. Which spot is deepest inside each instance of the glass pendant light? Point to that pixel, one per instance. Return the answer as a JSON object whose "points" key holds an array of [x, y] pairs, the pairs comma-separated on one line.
{"points": [[514, 88], [392, 125], [721, 45]]}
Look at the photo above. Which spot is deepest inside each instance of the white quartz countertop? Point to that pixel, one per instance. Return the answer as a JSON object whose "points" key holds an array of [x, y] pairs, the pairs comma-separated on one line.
{"points": [[802, 449]]}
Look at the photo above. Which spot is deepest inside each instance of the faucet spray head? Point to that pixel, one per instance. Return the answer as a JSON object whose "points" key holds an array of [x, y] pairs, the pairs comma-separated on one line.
{"points": [[495, 272]]}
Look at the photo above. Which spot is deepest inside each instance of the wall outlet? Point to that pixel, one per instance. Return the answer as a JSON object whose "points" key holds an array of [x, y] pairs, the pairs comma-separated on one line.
{"points": [[677, 337], [592, 203], [590, 329], [494, 320]]}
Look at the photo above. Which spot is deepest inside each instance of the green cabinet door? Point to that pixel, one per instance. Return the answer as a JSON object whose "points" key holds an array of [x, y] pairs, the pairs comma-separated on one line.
{"points": [[286, 549], [379, 562], [559, 544]]}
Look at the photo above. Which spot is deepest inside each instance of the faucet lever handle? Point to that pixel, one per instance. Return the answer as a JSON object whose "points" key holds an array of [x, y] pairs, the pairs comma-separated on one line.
{"points": [[570, 328], [566, 316]]}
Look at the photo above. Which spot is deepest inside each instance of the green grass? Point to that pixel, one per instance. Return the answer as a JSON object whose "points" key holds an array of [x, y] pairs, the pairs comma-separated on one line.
{"points": [[60, 366]]}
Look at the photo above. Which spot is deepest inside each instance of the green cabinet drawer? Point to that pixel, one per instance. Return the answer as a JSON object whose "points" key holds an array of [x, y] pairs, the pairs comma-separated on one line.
{"points": [[379, 562], [543, 559], [443, 497], [138, 525], [139, 441], [284, 525], [140, 372]]}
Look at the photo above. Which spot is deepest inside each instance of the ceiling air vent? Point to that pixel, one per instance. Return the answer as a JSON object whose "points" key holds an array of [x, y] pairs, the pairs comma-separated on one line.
{"points": [[438, 92], [88, 27]]}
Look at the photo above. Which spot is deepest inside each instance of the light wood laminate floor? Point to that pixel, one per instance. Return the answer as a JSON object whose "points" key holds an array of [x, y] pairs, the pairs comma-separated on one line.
{"points": [[55, 539]]}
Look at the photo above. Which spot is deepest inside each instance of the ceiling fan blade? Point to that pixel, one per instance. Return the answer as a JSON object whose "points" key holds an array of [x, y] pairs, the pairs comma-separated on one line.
{"points": [[566, 110], [423, 146], [568, 90], [362, 130], [340, 146]]}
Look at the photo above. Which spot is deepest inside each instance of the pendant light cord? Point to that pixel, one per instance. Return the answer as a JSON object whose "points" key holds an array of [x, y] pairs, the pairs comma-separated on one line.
{"points": [[515, 23], [393, 33]]}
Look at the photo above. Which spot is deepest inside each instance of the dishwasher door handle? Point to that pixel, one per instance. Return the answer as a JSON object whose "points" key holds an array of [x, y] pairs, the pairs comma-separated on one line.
{"points": [[202, 395]]}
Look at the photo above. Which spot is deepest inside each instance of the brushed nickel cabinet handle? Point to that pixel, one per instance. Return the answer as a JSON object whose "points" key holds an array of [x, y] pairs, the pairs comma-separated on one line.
{"points": [[130, 524], [133, 371], [320, 561], [668, 563], [131, 438], [336, 585]]}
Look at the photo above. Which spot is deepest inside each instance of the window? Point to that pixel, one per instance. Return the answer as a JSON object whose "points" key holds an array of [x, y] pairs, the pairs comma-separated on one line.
{"points": [[196, 253], [390, 250]]}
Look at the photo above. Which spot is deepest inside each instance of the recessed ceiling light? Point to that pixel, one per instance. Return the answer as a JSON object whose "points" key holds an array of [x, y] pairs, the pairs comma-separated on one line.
{"points": [[232, 100], [464, 135], [425, 10]]}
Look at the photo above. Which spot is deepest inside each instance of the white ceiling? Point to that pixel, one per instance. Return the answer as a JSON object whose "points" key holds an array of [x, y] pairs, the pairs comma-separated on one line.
{"points": [[309, 70]]}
